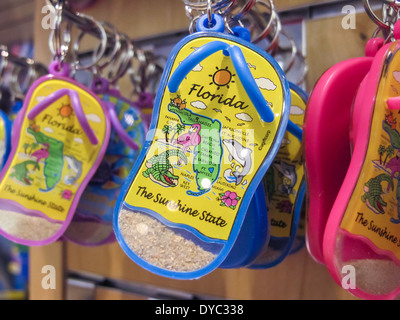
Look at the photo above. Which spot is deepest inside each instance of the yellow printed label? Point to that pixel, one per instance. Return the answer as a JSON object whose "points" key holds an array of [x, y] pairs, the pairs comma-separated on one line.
{"points": [[373, 210], [53, 154], [209, 143], [283, 179]]}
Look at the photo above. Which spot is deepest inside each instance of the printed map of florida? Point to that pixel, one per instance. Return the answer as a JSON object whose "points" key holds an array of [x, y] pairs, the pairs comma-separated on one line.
{"points": [[53, 164], [206, 162]]}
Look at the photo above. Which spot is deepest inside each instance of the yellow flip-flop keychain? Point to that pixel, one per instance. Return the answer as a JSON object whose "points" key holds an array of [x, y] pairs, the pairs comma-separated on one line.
{"points": [[220, 114], [60, 119]]}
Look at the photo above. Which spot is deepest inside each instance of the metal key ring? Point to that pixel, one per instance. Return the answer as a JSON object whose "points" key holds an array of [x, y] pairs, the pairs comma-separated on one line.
{"points": [[115, 41], [99, 52], [244, 10], [202, 5], [288, 63], [254, 17], [150, 72], [293, 75], [386, 4], [122, 61], [194, 10], [59, 41], [4, 62], [21, 79]]}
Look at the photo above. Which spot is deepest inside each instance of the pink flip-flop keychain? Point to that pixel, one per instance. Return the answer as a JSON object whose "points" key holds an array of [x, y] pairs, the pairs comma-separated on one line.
{"points": [[363, 226], [327, 140]]}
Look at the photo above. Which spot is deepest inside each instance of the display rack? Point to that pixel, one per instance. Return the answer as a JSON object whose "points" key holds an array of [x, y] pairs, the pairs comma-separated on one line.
{"points": [[105, 272]]}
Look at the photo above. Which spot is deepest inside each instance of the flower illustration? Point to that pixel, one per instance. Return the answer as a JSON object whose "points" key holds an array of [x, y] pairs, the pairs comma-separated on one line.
{"points": [[229, 199], [66, 194], [284, 206]]}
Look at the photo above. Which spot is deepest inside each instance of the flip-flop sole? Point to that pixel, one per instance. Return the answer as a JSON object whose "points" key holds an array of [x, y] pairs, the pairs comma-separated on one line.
{"points": [[253, 235], [182, 211], [37, 203]]}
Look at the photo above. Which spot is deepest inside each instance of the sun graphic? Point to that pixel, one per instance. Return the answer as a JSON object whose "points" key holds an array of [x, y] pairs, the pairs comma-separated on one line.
{"points": [[65, 111], [222, 78]]}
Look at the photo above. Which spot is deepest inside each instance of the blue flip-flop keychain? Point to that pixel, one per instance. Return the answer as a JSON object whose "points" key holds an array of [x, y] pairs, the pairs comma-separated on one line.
{"points": [[92, 222], [5, 138], [285, 190], [215, 130]]}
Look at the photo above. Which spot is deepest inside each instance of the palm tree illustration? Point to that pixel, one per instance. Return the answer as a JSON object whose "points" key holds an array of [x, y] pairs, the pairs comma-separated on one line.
{"points": [[177, 131], [26, 146], [381, 151], [33, 146], [166, 130], [389, 153]]}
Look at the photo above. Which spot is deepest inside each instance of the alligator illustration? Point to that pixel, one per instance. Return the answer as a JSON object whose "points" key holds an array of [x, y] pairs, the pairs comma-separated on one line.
{"points": [[20, 171], [54, 163], [393, 166], [159, 168], [373, 192]]}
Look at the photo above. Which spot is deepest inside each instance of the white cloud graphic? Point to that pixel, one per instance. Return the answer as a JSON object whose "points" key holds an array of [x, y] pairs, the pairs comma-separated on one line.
{"points": [[78, 140], [93, 117], [244, 117], [264, 83], [49, 130], [197, 68], [198, 105], [295, 110]]}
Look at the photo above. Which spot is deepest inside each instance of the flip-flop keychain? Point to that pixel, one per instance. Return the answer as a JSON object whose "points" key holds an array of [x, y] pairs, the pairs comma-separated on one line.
{"points": [[5, 138], [285, 188], [60, 118], [92, 222], [216, 127], [328, 140], [363, 225]]}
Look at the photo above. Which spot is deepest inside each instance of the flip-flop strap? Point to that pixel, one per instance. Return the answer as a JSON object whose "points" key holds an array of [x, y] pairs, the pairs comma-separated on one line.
{"points": [[76, 104], [125, 137], [241, 68], [295, 130]]}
